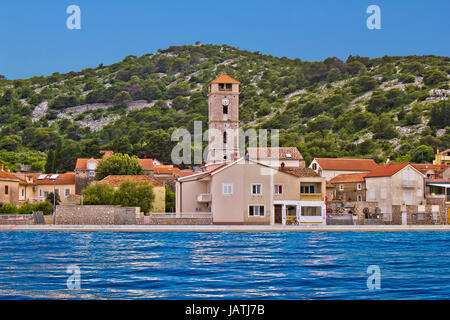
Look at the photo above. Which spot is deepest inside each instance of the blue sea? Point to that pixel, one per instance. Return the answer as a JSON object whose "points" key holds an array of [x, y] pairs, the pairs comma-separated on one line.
{"points": [[305, 265]]}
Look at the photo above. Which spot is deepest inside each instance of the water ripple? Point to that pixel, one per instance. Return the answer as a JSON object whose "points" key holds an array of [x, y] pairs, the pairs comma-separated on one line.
{"points": [[414, 265]]}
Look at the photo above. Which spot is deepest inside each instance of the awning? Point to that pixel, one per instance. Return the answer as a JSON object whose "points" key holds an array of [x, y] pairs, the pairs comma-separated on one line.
{"points": [[443, 185]]}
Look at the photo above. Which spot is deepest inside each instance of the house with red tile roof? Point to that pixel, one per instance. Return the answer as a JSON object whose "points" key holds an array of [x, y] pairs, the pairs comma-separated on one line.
{"points": [[9, 187], [332, 167], [395, 184], [431, 171], [36, 187], [248, 192], [85, 169], [349, 187]]}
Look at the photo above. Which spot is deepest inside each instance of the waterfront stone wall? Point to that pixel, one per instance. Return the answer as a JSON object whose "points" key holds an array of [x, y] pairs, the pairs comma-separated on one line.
{"points": [[95, 215], [173, 221]]}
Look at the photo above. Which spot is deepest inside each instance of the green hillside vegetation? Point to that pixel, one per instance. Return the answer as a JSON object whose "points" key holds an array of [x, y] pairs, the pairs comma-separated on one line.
{"points": [[377, 108]]}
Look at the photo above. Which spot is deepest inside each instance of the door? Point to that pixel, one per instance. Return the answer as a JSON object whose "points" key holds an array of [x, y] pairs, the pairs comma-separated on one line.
{"points": [[404, 219], [278, 213]]}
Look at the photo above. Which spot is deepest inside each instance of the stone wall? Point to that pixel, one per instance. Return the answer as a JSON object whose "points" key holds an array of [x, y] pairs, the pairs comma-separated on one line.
{"points": [[95, 215], [173, 221]]}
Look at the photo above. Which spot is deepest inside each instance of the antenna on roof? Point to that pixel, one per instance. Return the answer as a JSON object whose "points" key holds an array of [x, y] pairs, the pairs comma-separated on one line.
{"points": [[387, 161]]}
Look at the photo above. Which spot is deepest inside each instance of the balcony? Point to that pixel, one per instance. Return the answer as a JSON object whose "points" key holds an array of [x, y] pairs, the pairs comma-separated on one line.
{"points": [[204, 197], [409, 183], [311, 197]]}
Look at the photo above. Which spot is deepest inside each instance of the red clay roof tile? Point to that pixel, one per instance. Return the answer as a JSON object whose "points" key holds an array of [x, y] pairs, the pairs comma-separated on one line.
{"points": [[346, 164]]}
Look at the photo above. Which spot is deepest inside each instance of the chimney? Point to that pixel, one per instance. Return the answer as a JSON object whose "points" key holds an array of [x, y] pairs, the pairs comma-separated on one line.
{"points": [[1, 167], [282, 167]]}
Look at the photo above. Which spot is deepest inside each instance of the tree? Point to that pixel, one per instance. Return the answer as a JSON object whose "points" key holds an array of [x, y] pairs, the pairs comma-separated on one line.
{"points": [[365, 83], [157, 144], [122, 99], [49, 164], [10, 143], [422, 154], [118, 164], [98, 194], [383, 128], [434, 76], [355, 67], [440, 115], [170, 199], [135, 194]]}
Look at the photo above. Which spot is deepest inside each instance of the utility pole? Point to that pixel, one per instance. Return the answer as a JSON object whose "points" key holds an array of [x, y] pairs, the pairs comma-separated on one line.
{"points": [[54, 197]]}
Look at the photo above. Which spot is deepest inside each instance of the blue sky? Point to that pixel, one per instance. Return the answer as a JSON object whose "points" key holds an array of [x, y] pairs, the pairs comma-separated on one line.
{"points": [[35, 40]]}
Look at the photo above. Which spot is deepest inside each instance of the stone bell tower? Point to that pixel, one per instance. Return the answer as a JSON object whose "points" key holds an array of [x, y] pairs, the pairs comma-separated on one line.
{"points": [[223, 107]]}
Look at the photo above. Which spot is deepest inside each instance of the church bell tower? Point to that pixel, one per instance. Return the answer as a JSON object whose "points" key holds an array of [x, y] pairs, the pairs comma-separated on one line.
{"points": [[223, 108]]}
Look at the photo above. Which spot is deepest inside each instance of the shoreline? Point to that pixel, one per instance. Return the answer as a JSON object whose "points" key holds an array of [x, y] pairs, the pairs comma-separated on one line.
{"points": [[221, 228]]}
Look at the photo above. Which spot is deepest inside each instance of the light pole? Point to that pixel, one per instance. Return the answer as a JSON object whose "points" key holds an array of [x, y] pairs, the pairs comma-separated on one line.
{"points": [[54, 196]]}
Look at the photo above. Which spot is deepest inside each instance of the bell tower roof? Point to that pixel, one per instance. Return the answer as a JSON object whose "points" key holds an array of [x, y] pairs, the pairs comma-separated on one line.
{"points": [[223, 78]]}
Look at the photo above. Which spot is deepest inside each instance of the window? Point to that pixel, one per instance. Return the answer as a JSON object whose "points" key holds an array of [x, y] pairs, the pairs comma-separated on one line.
{"points": [[6, 189], [341, 187], [66, 192], [256, 211], [227, 188], [359, 198], [278, 189], [314, 166], [40, 192], [383, 194], [225, 137], [23, 192], [311, 211], [256, 189], [46, 194], [91, 174], [57, 191], [225, 86], [408, 197], [372, 194], [225, 109], [359, 186], [307, 189]]}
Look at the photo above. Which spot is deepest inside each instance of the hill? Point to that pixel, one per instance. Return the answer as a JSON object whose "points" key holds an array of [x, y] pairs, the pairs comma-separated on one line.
{"points": [[394, 107]]}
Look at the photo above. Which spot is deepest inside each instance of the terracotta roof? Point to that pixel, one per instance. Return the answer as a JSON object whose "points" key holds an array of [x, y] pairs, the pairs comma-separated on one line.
{"points": [[424, 167], [386, 170], [200, 175], [223, 78], [169, 169], [117, 180], [349, 178], [63, 178], [438, 180], [300, 172], [281, 153], [147, 164], [7, 175], [346, 164]]}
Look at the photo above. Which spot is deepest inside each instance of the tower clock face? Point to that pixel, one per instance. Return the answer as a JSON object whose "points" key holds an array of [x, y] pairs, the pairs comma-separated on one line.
{"points": [[225, 102]]}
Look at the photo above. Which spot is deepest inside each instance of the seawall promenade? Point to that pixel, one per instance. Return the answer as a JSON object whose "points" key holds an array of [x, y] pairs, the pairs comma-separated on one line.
{"points": [[221, 228]]}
